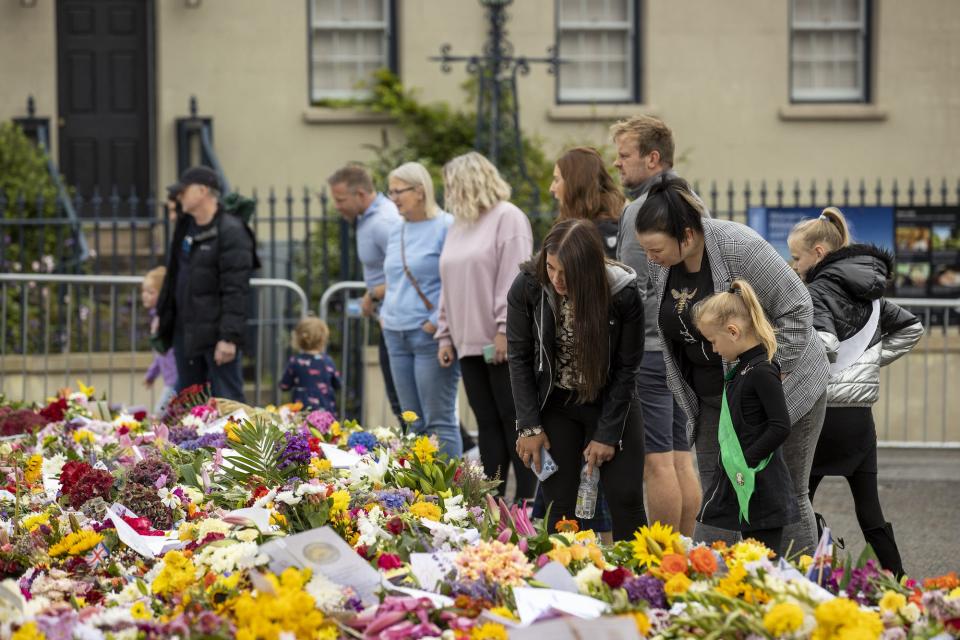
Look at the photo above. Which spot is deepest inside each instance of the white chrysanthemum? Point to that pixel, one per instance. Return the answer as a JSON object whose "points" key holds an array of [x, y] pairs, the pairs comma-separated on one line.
{"points": [[368, 524], [230, 557], [589, 576], [212, 525], [454, 511], [288, 497], [168, 498], [307, 489], [327, 594]]}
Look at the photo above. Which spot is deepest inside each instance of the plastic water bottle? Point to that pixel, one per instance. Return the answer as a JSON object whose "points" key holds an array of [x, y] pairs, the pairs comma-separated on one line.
{"points": [[587, 493]]}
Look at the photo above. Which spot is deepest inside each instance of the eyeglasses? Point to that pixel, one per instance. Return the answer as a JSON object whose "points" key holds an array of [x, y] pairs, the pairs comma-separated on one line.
{"points": [[393, 193]]}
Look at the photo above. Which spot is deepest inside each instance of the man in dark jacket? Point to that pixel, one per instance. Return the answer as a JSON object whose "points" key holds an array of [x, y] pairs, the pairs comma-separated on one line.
{"points": [[203, 303]]}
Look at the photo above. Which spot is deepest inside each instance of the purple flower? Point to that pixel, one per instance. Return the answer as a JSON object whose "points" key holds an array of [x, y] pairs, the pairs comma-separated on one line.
{"points": [[297, 450], [647, 588], [181, 433], [208, 441]]}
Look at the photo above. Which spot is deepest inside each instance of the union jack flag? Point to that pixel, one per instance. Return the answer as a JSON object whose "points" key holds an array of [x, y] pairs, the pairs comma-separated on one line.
{"points": [[97, 556]]}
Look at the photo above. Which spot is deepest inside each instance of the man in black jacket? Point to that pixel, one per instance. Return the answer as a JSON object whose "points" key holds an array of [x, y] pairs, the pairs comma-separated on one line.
{"points": [[202, 307]]}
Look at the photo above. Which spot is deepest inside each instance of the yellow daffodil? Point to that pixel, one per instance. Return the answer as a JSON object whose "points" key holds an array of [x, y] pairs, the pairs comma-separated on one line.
{"points": [[426, 510], [341, 500], [85, 390], [782, 619], [29, 631], [319, 466], [139, 611], [489, 631], [892, 601], [423, 449], [81, 436], [642, 621]]}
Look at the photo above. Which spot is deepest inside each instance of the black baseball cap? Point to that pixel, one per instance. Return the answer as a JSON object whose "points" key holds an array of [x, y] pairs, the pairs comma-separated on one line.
{"points": [[195, 175]]}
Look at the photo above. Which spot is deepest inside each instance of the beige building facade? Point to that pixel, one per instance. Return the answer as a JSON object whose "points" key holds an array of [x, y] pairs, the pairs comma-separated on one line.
{"points": [[753, 89]]}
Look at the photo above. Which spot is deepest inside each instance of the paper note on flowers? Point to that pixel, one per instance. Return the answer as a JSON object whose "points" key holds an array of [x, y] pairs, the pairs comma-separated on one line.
{"points": [[146, 546], [325, 551], [339, 458], [533, 604], [431, 569]]}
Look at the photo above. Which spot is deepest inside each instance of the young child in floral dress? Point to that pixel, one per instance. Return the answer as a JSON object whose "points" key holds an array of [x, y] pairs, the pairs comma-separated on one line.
{"points": [[311, 374]]}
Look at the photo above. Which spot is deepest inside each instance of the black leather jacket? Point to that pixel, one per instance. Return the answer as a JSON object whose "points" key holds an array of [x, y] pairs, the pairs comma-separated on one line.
{"points": [[531, 338]]}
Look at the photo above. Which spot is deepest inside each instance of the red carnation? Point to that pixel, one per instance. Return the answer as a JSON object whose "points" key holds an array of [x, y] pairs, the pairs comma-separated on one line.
{"points": [[615, 578], [388, 561], [395, 526], [55, 411], [362, 551], [72, 471], [140, 415], [93, 484]]}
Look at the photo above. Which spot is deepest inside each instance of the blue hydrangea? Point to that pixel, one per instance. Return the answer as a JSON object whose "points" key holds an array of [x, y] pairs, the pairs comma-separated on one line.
{"points": [[364, 439]]}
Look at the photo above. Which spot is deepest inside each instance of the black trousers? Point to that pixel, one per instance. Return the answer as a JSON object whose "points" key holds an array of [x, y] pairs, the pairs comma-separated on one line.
{"points": [[866, 498], [490, 397], [570, 426], [226, 380]]}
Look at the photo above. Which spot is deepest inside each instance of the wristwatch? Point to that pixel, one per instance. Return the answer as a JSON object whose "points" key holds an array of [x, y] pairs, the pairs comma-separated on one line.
{"points": [[528, 432]]}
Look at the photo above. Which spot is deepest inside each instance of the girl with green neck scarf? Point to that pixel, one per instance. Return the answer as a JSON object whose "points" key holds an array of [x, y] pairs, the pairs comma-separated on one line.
{"points": [[752, 489]]}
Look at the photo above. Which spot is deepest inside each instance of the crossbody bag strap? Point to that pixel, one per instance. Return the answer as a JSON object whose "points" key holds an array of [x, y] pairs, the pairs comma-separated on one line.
{"points": [[409, 274]]}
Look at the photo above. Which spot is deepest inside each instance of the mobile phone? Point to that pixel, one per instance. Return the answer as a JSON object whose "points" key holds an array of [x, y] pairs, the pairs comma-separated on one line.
{"points": [[488, 353], [547, 466]]}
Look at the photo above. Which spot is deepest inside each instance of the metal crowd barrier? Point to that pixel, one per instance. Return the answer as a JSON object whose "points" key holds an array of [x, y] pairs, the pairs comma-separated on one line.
{"points": [[919, 405], [352, 346], [56, 327]]}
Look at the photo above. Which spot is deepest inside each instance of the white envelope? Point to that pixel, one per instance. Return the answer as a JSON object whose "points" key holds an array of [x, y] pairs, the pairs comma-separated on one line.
{"points": [[259, 516], [432, 568], [555, 575], [339, 458], [437, 599], [533, 604]]}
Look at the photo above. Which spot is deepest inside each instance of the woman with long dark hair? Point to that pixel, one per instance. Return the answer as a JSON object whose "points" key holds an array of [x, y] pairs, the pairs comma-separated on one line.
{"points": [[692, 257], [584, 190], [575, 340]]}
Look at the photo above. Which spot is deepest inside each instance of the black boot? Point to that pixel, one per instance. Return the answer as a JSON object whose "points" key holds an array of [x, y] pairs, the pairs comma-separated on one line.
{"points": [[885, 546]]}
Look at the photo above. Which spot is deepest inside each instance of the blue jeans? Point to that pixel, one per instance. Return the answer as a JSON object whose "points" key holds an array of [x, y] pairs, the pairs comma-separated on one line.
{"points": [[424, 387]]}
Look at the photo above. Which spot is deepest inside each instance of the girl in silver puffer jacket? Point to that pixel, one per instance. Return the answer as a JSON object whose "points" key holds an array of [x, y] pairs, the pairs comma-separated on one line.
{"points": [[862, 332]]}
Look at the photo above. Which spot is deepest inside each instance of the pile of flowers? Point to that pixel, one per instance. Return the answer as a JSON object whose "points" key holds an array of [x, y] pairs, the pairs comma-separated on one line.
{"points": [[222, 521]]}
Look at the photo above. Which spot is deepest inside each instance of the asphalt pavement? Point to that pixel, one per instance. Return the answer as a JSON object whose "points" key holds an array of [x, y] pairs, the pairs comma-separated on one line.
{"points": [[920, 496]]}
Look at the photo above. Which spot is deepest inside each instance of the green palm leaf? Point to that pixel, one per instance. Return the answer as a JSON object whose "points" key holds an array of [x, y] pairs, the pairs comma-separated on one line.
{"points": [[256, 453]]}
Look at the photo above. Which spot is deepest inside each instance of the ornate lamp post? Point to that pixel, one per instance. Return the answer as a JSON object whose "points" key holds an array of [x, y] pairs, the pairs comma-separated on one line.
{"points": [[496, 69]]}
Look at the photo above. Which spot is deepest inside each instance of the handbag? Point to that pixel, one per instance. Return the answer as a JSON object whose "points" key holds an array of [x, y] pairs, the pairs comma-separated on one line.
{"points": [[409, 274]]}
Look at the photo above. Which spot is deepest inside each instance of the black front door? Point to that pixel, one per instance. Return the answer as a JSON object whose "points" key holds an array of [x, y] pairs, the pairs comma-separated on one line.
{"points": [[104, 70]]}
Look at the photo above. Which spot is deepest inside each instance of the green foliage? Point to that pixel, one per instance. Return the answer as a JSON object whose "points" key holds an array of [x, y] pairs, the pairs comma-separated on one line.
{"points": [[256, 453], [435, 133], [29, 192]]}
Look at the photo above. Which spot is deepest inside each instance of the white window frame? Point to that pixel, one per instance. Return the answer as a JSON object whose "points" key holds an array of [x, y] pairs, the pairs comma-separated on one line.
{"points": [[861, 27], [323, 23], [629, 93]]}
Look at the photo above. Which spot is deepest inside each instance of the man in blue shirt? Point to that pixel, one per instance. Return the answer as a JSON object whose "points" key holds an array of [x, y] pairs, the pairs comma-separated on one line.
{"points": [[358, 202]]}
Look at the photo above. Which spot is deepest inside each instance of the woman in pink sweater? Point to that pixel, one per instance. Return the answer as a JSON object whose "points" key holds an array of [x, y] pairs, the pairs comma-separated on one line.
{"points": [[481, 256]]}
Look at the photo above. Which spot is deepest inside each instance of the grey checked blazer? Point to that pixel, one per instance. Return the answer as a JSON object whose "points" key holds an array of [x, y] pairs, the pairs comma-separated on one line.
{"points": [[737, 251]]}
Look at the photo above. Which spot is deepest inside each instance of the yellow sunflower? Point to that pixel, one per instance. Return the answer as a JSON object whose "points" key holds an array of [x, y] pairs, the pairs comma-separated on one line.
{"points": [[652, 542]]}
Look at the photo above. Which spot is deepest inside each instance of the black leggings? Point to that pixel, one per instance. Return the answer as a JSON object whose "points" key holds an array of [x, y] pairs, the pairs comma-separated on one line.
{"points": [[866, 499], [490, 397], [570, 427]]}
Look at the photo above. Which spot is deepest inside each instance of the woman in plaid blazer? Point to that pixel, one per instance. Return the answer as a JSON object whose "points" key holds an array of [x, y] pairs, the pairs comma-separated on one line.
{"points": [[693, 256]]}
